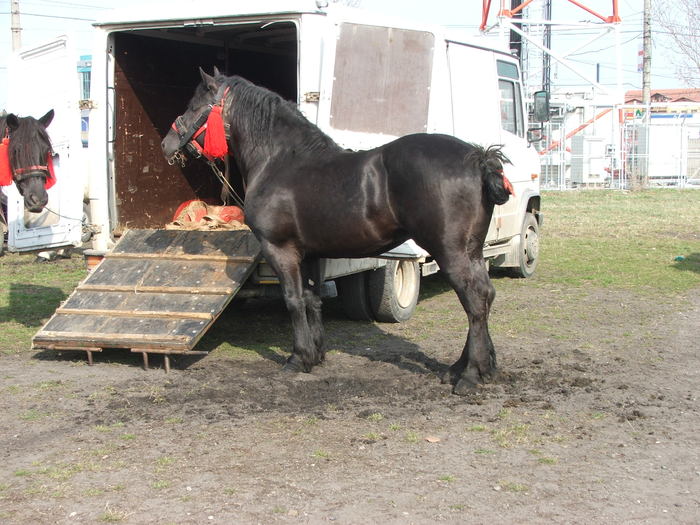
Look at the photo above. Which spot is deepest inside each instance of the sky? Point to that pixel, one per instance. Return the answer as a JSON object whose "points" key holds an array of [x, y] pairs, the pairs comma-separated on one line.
{"points": [[43, 19]]}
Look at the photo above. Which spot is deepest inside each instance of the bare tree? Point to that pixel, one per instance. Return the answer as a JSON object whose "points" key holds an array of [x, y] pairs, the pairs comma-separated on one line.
{"points": [[679, 24]]}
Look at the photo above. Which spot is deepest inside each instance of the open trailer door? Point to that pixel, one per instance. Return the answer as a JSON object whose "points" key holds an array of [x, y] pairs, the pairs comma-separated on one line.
{"points": [[41, 78]]}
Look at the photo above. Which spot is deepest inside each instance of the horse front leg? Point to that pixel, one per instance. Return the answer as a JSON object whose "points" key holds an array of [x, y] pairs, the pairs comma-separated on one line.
{"points": [[286, 261], [476, 293], [313, 282]]}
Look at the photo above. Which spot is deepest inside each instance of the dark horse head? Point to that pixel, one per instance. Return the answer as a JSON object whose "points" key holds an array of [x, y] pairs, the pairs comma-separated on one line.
{"points": [[29, 154], [187, 133]]}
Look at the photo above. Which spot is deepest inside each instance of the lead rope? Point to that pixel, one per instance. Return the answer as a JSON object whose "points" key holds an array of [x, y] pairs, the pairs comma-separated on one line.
{"points": [[220, 175]]}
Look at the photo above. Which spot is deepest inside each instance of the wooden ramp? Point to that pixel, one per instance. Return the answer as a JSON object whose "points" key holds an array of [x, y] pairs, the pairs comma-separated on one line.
{"points": [[157, 291]]}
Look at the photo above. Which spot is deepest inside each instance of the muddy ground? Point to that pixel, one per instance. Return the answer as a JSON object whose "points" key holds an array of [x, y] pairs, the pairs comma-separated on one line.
{"points": [[594, 419]]}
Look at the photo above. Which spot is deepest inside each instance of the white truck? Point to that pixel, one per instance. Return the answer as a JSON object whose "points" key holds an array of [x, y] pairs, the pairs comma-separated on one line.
{"points": [[363, 79]]}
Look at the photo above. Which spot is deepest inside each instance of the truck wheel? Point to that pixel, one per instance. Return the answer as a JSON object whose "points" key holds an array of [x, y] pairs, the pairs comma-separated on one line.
{"points": [[352, 291], [393, 291], [86, 234], [529, 252]]}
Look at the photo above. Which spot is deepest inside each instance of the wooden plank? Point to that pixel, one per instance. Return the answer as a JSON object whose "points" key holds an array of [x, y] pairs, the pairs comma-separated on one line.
{"points": [[157, 302], [232, 243], [171, 273], [80, 336], [166, 351], [155, 289], [182, 257], [135, 313]]}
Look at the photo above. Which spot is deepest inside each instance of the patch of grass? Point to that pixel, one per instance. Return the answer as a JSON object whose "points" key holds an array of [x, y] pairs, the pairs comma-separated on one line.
{"points": [[411, 437], [626, 240], [29, 294], [512, 435], [547, 460], [394, 427], [128, 437], [511, 486], [160, 484], [484, 451], [32, 415], [448, 478], [321, 454], [373, 436], [477, 428], [375, 417], [113, 515]]}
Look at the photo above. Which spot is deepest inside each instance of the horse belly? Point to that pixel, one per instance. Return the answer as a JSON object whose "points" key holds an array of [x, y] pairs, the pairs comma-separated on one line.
{"points": [[348, 235]]}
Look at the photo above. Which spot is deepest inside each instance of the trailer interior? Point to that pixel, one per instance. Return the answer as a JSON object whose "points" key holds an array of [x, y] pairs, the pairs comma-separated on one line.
{"points": [[156, 72]]}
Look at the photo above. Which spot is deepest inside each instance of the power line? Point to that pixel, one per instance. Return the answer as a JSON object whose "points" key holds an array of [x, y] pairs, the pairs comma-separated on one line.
{"points": [[52, 16]]}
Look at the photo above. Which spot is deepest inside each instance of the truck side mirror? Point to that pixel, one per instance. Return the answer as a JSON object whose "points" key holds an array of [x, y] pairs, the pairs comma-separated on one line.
{"points": [[540, 110]]}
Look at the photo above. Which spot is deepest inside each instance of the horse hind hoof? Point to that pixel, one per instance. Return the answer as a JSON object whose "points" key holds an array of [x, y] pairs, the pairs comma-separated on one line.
{"points": [[464, 387], [294, 366]]}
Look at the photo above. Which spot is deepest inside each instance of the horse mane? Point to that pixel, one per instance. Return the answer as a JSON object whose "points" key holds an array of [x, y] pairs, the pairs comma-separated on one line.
{"points": [[257, 111], [29, 136]]}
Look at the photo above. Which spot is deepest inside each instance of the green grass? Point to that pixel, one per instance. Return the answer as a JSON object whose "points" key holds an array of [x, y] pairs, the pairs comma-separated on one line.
{"points": [[29, 294], [626, 240]]}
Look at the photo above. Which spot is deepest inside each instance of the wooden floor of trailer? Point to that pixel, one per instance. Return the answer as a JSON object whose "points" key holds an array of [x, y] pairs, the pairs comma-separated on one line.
{"points": [[156, 292]]}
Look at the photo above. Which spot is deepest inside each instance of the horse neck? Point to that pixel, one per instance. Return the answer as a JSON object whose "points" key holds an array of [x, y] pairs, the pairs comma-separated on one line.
{"points": [[269, 129]]}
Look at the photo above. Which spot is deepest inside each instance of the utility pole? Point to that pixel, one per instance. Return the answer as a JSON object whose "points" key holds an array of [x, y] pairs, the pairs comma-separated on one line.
{"points": [[646, 59], [16, 29]]}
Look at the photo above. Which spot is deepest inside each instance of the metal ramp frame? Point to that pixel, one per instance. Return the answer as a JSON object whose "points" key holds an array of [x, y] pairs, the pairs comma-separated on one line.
{"points": [[157, 292]]}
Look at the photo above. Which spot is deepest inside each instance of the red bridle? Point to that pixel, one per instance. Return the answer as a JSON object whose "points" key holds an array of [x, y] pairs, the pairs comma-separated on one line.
{"points": [[209, 120], [7, 174]]}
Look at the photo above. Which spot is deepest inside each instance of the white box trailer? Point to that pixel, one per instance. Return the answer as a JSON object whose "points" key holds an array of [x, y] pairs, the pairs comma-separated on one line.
{"points": [[362, 79]]}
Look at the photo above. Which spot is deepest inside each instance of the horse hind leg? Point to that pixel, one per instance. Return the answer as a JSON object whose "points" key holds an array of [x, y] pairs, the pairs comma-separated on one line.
{"points": [[470, 280]]}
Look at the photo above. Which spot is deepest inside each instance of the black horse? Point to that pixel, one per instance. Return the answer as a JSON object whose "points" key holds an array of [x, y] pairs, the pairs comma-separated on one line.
{"points": [[28, 162], [308, 198]]}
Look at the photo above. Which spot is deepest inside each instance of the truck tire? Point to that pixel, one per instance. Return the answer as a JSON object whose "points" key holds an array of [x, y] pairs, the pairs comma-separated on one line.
{"points": [[393, 291], [529, 251], [352, 291]]}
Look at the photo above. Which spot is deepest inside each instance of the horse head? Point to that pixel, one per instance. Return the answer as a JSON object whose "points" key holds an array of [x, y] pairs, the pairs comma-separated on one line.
{"points": [[199, 130], [30, 158]]}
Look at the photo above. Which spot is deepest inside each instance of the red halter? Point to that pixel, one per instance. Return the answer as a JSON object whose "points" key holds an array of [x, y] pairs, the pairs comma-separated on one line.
{"points": [[215, 144], [7, 174]]}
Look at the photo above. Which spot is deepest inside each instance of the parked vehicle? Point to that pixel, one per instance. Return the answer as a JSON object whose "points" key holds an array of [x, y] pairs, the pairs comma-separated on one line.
{"points": [[363, 79]]}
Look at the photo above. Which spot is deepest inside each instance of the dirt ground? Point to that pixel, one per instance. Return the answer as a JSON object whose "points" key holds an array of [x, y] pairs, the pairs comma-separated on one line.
{"points": [[594, 419]]}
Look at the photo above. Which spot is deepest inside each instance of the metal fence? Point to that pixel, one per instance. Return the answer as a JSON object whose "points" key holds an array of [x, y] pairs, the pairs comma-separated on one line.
{"points": [[623, 147]]}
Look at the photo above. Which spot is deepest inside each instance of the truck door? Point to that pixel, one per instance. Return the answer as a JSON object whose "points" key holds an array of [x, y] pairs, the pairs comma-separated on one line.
{"points": [[513, 123], [42, 78]]}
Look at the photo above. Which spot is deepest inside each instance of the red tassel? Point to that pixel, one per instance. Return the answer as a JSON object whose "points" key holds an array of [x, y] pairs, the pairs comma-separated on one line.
{"points": [[51, 178], [5, 168], [508, 186], [215, 146]]}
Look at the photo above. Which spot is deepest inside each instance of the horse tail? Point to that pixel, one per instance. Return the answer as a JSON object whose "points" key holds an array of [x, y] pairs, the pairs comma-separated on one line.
{"points": [[489, 161]]}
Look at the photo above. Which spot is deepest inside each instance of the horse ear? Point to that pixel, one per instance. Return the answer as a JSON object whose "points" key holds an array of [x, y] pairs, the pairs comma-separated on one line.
{"points": [[46, 119], [217, 73], [209, 81], [12, 121]]}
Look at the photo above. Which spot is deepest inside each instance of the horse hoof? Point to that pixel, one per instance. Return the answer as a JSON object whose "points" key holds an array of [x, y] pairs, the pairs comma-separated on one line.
{"points": [[451, 376], [464, 387], [293, 366]]}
